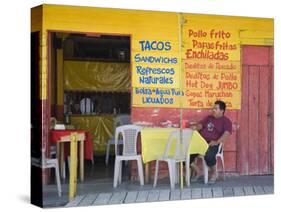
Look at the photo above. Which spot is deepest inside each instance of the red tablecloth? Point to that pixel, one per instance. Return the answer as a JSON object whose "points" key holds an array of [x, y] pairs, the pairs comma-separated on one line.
{"points": [[55, 136]]}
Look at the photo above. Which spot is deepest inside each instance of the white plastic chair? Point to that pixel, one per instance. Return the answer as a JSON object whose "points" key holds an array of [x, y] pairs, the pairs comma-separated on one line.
{"points": [[180, 154], [119, 121], [129, 134], [219, 155], [46, 163]]}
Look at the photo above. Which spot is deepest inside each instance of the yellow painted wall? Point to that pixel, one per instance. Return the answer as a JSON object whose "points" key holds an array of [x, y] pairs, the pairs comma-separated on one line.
{"points": [[36, 18], [37, 25], [166, 28]]}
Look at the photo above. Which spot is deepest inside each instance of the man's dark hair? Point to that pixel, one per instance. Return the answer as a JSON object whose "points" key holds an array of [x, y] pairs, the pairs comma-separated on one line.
{"points": [[221, 105]]}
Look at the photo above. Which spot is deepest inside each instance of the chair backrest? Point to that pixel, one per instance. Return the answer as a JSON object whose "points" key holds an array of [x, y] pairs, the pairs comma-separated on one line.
{"points": [[186, 138], [121, 120], [181, 148], [129, 135], [173, 137]]}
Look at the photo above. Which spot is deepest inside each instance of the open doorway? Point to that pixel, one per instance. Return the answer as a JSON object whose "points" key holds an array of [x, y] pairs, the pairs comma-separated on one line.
{"points": [[90, 87]]}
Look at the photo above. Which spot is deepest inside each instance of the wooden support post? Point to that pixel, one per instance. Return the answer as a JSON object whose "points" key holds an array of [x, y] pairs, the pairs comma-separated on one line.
{"points": [[181, 174], [81, 165], [73, 166]]}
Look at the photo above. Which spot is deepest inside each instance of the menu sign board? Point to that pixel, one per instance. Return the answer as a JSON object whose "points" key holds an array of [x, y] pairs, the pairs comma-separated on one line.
{"points": [[156, 74], [206, 69], [211, 66]]}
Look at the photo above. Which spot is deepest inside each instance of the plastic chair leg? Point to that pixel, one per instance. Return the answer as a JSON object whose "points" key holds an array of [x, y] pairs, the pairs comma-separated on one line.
{"points": [[120, 172], [172, 174], [187, 172], [156, 173], [140, 171], [58, 178], [205, 169], [176, 173], [107, 153], [116, 172], [64, 171]]}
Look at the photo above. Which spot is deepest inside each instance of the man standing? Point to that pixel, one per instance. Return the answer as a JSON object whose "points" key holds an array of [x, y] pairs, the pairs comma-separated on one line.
{"points": [[215, 129]]}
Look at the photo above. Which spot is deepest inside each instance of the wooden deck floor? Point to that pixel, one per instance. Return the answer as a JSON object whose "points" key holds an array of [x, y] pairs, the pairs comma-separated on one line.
{"points": [[154, 195]]}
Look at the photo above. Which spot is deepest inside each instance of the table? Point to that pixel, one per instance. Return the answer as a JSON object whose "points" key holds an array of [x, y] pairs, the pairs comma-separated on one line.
{"points": [[153, 144], [57, 135]]}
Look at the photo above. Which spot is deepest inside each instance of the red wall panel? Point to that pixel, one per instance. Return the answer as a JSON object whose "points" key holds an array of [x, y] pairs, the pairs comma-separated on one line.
{"points": [[256, 55], [230, 161], [263, 124], [253, 120]]}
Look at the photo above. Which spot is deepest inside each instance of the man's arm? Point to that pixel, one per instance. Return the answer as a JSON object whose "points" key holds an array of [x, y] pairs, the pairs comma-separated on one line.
{"points": [[224, 137]]}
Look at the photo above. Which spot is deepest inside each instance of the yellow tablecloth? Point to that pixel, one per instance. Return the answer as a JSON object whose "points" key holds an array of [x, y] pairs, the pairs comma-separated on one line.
{"points": [[100, 127], [153, 142]]}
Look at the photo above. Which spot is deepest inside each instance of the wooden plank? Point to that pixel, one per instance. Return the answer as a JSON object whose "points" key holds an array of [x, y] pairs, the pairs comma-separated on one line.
{"points": [[153, 196], [117, 198], [256, 55], [196, 193], [238, 191], [147, 172], [175, 195], [258, 190], [75, 201], [164, 195], [253, 120], [73, 166], [231, 144], [131, 197], [243, 141], [142, 196], [81, 160], [268, 189], [102, 199], [207, 193], [230, 161], [228, 192], [249, 190], [88, 200], [217, 192], [264, 120], [186, 193]]}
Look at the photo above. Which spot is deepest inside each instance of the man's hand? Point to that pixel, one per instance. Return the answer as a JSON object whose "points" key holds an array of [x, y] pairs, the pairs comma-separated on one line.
{"points": [[214, 143], [197, 126], [193, 127]]}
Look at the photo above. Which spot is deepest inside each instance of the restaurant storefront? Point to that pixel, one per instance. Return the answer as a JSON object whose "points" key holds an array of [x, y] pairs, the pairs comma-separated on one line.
{"points": [[163, 69]]}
